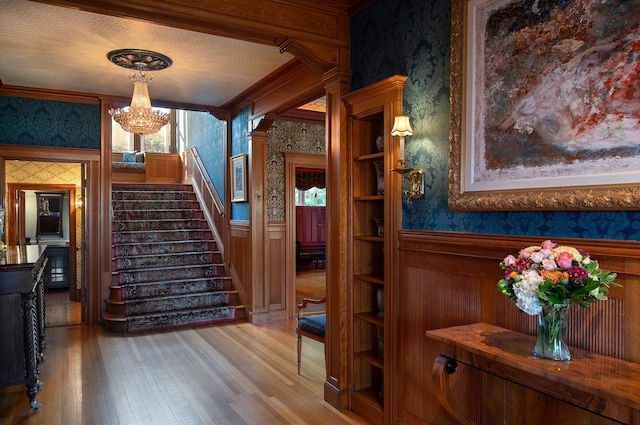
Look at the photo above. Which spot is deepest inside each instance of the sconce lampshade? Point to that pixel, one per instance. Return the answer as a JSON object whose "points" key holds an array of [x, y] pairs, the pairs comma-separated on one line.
{"points": [[401, 126]]}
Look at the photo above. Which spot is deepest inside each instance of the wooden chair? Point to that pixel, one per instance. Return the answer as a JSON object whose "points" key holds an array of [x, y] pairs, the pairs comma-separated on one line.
{"points": [[310, 324]]}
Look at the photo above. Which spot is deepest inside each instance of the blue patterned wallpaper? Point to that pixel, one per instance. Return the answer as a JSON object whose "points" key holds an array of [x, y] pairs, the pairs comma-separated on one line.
{"points": [[240, 144], [38, 122], [206, 134], [412, 37]]}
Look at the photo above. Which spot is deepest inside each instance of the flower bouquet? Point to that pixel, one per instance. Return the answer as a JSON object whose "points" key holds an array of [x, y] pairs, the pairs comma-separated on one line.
{"points": [[545, 280]]}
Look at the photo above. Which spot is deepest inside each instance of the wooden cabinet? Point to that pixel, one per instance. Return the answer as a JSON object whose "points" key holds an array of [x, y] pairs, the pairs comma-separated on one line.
{"points": [[375, 217], [22, 322], [56, 274]]}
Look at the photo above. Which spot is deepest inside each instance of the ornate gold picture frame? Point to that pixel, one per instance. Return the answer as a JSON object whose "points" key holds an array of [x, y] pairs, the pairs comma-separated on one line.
{"points": [[548, 136]]}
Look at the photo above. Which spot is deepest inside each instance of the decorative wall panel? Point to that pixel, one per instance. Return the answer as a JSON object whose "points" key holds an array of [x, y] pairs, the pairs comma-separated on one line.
{"points": [[38, 122], [287, 136]]}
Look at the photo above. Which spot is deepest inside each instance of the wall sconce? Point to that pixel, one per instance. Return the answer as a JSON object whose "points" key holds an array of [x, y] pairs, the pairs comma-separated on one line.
{"points": [[414, 176]]}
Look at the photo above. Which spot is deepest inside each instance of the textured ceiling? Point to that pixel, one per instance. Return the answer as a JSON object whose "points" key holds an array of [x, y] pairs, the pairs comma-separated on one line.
{"points": [[60, 48]]}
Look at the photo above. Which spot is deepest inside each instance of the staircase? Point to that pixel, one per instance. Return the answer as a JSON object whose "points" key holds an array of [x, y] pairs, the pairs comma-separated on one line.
{"points": [[166, 270]]}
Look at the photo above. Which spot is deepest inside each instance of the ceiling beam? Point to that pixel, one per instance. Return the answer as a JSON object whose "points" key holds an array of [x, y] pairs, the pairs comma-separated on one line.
{"points": [[290, 86]]}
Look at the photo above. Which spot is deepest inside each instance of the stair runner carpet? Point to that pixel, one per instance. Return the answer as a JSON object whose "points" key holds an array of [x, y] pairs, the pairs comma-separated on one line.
{"points": [[166, 270]]}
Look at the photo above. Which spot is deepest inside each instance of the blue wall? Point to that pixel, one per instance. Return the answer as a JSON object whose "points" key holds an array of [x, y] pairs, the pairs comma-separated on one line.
{"points": [[412, 37], [240, 144], [37, 122], [206, 134]]}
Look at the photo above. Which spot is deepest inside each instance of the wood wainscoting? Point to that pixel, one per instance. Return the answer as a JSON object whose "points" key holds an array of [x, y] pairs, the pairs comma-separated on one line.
{"points": [[449, 279], [240, 262], [159, 168]]}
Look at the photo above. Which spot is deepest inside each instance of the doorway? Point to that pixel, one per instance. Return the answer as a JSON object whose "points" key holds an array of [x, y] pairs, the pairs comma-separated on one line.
{"points": [[312, 282], [45, 200]]}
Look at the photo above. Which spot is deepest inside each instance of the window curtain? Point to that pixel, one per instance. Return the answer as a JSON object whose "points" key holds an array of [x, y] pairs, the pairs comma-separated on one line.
{"points": [[306, 178]]}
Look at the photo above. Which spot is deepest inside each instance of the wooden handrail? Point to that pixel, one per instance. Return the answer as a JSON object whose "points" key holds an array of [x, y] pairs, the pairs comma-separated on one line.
{"points": [[209, 198]]}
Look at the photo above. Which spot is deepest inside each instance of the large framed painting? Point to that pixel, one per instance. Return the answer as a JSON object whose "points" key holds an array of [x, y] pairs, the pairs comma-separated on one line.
{"points": [[239, 178], [545, 105]]}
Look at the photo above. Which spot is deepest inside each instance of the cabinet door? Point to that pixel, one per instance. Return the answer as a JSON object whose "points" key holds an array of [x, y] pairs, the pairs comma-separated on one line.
{"points": [[12, 367], [56, 274]]}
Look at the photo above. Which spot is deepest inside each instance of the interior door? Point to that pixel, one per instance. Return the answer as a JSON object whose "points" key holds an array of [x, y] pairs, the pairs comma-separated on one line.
{"points": [[21, 226], [83, 244], [15, 226]]}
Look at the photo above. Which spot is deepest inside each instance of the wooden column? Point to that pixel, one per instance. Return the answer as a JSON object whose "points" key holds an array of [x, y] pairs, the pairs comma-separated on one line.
{"points": [[336, 338], [258, 220]]}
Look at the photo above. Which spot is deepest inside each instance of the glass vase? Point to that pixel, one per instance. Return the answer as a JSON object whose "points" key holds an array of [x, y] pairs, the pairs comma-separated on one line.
{"points": [[552, 332]]}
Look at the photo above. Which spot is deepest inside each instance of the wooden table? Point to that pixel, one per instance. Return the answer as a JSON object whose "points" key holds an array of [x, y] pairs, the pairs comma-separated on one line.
{"points": [[605, 386], [22, 330]]}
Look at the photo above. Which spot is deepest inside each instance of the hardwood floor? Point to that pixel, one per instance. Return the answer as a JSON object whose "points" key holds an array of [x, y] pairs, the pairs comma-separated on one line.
{"points": [[60, 310], [232, 374], [311, 284]]}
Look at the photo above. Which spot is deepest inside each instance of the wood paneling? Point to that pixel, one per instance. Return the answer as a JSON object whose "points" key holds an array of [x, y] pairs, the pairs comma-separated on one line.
{"points": [[163, 167], [275, 270], [338, 248], [449, 279], [240, 265]]}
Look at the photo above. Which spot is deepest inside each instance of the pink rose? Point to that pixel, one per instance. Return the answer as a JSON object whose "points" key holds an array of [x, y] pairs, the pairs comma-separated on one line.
{"points": [[548, 245], [564, 260], [548, 264], [537, 257], [546, 253], [525, 253], [509, 260]]}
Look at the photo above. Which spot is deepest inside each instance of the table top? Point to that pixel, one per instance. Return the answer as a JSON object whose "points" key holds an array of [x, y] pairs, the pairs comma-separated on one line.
{"points": [[20, 268], [22, 255], [583, 380]]}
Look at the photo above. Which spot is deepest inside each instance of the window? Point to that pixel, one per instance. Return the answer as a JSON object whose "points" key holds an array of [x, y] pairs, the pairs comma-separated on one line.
{"points": [[121, 141], [313, 197], [163, 141], [310, 187]]}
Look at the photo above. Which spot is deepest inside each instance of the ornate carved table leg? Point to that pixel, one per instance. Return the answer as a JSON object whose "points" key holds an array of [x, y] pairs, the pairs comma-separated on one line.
{"points": [[443, 367], [41, 319], [31, 348]]}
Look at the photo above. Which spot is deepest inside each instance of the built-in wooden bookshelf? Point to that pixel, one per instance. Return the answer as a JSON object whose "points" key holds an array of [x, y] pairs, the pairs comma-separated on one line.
{"points": [[371, 111]]}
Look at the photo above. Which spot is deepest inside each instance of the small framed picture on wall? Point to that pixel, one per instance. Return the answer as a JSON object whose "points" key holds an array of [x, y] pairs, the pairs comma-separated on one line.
{"points": [[239, 178]]}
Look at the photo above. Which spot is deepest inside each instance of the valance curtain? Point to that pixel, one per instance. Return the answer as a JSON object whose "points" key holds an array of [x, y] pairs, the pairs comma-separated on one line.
{"points": [[306, 178]]}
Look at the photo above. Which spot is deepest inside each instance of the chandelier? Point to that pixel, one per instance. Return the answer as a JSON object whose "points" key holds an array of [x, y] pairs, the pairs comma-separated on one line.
{"points": [[139, 117]]}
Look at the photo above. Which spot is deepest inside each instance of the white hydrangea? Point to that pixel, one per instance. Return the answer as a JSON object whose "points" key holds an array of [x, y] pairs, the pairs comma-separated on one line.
{"points": [[525, 291]]}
